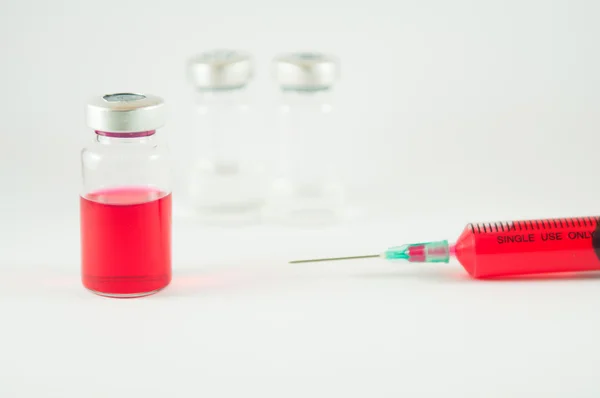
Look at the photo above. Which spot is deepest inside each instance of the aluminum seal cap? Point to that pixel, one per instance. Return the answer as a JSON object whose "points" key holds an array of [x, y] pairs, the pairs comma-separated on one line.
{"points": [[220, 70], [306, 71], [125, 113]]}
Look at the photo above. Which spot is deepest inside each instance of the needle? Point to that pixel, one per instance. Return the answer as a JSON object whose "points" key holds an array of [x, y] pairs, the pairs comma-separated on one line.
{"points": [[314, 260]]}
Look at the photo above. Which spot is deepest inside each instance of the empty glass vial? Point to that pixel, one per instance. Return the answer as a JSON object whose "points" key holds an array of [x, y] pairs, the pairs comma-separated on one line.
{"points": [[307, 188], [226, 177], [125, 198]]}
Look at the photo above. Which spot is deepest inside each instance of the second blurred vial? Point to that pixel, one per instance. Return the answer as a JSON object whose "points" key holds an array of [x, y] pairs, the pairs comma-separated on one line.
{"points": [[307, 189], [227, 180]]}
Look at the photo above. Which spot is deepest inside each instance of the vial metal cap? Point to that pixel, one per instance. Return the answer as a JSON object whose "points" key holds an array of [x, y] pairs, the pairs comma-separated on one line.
{"points": [[220, 69], [306, 71], [125, 113]]}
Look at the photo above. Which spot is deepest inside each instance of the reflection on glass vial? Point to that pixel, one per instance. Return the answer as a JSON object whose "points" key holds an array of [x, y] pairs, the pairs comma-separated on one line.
{"points": [[226, 177], [307, 188], [125, 202]]}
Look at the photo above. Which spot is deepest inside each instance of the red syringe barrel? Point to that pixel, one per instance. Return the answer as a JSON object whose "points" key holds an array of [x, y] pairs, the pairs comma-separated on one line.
{"points": [[498, 249]]}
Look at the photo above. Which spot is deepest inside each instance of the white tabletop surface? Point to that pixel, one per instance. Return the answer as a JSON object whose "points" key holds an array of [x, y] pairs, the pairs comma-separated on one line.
{"points": [[238, 320]]}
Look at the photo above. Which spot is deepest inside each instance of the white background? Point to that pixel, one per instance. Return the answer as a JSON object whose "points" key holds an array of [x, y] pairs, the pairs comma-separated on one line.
{"points": [[452, 111]]}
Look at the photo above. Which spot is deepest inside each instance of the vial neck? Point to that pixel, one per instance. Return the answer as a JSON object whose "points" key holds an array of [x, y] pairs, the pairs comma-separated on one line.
{"points": [[317, 90], [124, 138]]}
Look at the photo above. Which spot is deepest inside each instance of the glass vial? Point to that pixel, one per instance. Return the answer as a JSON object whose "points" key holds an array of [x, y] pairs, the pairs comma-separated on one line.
{"points": [[227, 176], [307, 188], [125, 199]]}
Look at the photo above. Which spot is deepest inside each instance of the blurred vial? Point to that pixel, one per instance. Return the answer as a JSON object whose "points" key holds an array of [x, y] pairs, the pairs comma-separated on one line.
{"points": [[227, 178], [306, 189]]}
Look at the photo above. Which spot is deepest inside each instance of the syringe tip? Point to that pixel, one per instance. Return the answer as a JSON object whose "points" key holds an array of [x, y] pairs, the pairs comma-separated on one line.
{"points": [[427, 252]]}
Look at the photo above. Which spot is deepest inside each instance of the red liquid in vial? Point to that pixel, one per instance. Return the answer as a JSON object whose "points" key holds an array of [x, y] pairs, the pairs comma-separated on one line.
{"points": [[126, 241]]}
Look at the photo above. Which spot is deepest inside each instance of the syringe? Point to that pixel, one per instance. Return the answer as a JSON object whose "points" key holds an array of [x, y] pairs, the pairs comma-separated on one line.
{"points": [[487, 250]]}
